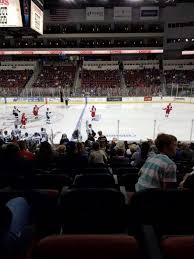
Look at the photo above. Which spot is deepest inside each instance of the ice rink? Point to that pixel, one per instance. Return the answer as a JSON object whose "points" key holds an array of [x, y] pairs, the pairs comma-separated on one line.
{"points": [[127, 121]]}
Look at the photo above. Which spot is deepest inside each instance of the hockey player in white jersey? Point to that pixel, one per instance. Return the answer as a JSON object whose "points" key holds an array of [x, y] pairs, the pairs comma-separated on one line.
{"points": [[43, 135], [16, 112], [6, 137], [16, 133]]}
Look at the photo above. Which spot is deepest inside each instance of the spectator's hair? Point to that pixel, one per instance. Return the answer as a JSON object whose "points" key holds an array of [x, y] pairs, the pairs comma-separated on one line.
{"points": [[100, 133], [145, 148], [45, 148], [80, 147], [164, 140], [120, 152], [11, 150], [22, 144], [96, 146], [71, 147], [61, 149]]}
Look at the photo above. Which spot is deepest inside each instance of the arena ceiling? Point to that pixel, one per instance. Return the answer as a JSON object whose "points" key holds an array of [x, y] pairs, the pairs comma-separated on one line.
{"points": [[49, 4]]}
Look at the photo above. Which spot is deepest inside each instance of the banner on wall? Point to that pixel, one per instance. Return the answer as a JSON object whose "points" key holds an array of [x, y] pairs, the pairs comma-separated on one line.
{"points": [[10, 13], [80, 52], [95, 13], [122, 13], [149, 13]]}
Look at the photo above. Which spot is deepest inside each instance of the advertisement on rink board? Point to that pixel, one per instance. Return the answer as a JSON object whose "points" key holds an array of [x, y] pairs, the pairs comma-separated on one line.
{"points": [[114, 99], [147, 98], [179, 99]]}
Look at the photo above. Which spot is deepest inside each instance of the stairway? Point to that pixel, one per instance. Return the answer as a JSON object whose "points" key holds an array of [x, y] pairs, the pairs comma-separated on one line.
{"points": [[77, 80], [25, 92]]}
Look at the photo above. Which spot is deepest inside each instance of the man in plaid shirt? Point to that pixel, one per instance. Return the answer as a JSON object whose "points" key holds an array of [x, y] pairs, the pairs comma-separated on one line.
{"points": [[159, 171]]}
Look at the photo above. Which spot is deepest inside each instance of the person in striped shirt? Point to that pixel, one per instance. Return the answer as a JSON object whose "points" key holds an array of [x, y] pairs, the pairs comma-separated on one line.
{"points": [[159, 171]]}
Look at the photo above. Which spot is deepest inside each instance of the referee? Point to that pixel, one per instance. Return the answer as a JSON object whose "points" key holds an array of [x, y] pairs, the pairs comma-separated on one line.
{"points": [[66, 101]]}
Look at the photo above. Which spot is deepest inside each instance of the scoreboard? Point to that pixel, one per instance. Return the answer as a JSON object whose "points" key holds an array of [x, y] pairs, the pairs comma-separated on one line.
{"points": [[22, 13], [36, 19], [10, 13]]}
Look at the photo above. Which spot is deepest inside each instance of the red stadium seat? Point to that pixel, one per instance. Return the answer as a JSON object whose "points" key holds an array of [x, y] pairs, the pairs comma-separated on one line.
{"points": [[87, 247]]}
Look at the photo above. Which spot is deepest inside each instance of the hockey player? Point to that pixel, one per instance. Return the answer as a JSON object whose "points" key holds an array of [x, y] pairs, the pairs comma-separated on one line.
{"points": [[16, 112], [93, 112], [66, 101], [16, 133], [48, 116], [35, 111], [23, 121], [6, 137], [43, 135], [36, 139], [168, 109]]}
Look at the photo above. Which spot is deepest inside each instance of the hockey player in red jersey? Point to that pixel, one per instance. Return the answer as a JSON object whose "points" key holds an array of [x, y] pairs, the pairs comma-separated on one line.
{"points": [[23, 121], [93, 112], [168, 109], [35, 111]]}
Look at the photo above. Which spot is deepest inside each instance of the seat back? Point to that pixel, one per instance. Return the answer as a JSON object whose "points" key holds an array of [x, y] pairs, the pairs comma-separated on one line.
{"points": [[129, 180], [125, 170], [94, 170], [87, 247], [50, 181], [171, 211], [92, 210], [178, 247], [94, 181]]}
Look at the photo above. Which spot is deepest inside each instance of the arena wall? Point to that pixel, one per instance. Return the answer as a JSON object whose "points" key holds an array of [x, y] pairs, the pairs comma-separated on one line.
{"points": [[96, 100]]}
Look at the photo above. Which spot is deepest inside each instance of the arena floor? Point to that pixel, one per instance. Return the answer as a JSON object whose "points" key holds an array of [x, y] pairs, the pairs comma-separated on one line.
{"points": [[133, 121]]}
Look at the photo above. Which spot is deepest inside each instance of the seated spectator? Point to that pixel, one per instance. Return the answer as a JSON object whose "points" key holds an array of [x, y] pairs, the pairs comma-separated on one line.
{"points": [[82, 155], [185, 153], [61, 150], [159, 171], [97, 156], [11, 162], [23, 152], [102, 140], [119, 159], [117, 145], [132, 148], [69, 160], [188, 182], [139, 157], [17, 213], [81, 150], [46, 155]]}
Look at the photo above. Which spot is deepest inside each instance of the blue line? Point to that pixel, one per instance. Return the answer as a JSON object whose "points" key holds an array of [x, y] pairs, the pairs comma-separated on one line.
{"points": [[78, 124]]}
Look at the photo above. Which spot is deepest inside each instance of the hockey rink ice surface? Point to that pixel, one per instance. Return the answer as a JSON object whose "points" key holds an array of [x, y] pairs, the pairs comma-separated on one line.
{"points": [[130, 121]]}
